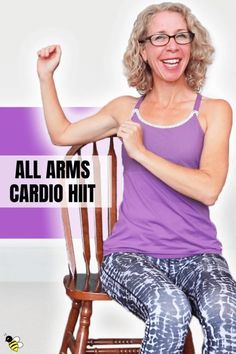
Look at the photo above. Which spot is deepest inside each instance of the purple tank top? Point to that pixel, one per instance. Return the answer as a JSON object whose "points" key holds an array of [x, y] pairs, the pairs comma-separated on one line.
{"points": [[154, 219]]}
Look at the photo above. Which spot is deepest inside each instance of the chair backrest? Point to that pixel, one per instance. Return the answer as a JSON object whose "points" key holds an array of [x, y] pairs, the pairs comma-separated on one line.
{"points": [[104, 219]]}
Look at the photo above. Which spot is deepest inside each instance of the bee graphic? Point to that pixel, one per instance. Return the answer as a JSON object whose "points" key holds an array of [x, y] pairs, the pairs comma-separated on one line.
{"points": [[14, 343]]}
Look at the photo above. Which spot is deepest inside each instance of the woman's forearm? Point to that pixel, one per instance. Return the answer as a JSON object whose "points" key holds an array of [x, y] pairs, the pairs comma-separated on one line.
{"points": [[61, 130], [194, 183], [55, 118]]}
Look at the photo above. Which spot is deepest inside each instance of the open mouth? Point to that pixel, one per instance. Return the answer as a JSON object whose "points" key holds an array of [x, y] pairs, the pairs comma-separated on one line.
{"points": [[171, 62]]}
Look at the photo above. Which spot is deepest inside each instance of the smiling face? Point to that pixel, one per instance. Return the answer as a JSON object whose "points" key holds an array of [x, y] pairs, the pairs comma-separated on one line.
{"points": [[168, 62]]}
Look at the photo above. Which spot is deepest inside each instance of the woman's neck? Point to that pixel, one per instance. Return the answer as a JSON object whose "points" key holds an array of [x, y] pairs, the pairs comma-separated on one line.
{"points": [[167, 94]]}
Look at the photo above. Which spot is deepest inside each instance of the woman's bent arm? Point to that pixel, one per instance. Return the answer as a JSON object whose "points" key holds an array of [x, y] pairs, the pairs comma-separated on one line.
{"points": [[203, 184], [55, 118], [61, 130]]}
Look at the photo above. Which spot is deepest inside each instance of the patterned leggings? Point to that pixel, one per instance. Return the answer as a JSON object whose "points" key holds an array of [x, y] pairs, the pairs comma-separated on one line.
{"points": [[164, 293]]}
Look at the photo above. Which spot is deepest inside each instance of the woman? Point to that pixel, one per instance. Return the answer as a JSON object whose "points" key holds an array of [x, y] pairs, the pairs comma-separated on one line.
{"points": [[163, 260]]}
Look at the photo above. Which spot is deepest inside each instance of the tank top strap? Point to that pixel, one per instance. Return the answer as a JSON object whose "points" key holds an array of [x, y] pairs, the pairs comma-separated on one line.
{"points": [[197, 102], [140, 100]]}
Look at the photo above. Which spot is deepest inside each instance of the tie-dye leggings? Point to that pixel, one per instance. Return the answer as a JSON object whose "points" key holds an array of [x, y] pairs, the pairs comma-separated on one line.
{"points": [[164, 293]]}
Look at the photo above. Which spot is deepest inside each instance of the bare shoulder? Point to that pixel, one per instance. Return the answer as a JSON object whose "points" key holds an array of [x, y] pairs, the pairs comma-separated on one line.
{"points": [[217, 104], [121, 107], [123, 100], [217, 112]]}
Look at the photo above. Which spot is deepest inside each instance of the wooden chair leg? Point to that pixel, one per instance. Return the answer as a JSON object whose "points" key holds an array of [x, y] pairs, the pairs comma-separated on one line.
{"points": [[188, 346], [70, 326], [83, 331]]}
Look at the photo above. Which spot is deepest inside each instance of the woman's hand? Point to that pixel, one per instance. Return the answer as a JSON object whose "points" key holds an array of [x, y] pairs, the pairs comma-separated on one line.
{"points": [[131, 135], [48, 60]]}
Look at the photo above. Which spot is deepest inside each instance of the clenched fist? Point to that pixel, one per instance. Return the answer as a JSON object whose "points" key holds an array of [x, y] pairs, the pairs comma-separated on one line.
{"points": [[48, 60], [131, 135]]}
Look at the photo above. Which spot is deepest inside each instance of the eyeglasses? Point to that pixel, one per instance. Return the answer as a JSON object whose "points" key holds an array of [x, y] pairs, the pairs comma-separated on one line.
{"points": [[161, 39]]}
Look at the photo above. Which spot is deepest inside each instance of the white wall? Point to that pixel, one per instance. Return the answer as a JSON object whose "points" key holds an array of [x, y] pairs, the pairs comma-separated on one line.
{"points": [[93, 35]]}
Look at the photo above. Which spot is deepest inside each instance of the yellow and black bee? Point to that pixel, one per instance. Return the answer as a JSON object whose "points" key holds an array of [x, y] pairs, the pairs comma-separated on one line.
{"points": [[14, 343]]}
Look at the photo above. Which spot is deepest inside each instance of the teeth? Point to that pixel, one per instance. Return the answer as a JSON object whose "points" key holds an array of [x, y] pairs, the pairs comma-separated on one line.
{"points": [[171, 61]]}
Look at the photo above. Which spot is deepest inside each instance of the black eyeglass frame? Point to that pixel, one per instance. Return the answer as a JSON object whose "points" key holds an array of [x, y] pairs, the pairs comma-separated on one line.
{"points": [[149, 38]]}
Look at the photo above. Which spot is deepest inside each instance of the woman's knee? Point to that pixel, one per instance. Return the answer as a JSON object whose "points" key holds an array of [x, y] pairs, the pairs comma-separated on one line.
{"points": [[218, 308], [170, 306]]}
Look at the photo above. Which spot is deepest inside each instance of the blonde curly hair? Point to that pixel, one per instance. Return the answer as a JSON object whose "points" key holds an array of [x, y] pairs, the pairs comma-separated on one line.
{"points": [[138, 72]]}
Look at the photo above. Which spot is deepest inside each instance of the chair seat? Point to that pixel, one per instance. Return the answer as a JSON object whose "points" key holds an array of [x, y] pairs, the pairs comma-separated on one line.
{"points": [[85, 287]]}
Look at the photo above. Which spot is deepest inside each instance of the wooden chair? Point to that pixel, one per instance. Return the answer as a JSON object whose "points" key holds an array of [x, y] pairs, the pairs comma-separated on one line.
{"points": [[84, 288]]}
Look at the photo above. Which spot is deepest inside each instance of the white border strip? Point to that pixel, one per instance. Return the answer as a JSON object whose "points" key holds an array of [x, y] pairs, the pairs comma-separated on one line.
{"points": [[192, 114]]}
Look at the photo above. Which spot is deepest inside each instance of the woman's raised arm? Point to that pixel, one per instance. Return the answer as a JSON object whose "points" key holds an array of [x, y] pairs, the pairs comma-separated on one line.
{"points": [[61, 130]]}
